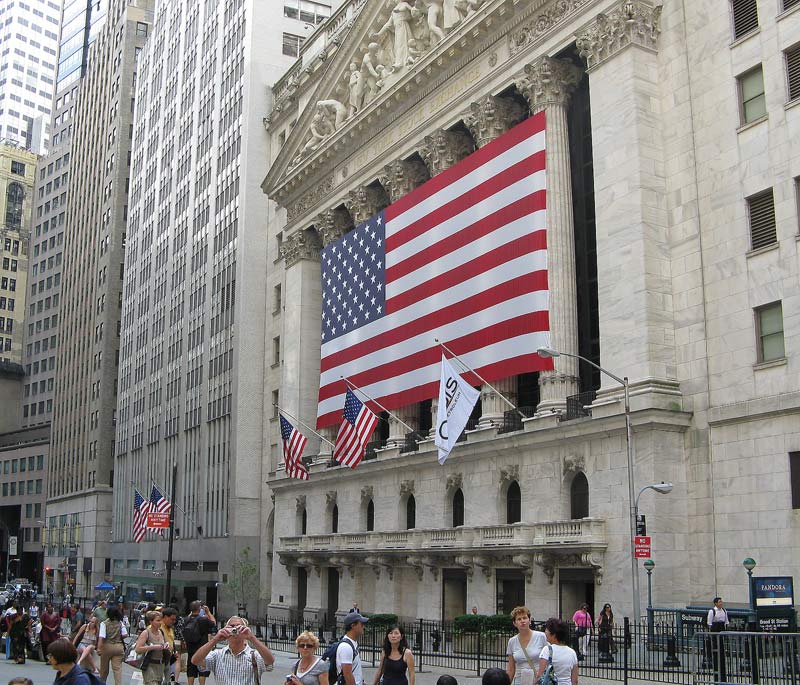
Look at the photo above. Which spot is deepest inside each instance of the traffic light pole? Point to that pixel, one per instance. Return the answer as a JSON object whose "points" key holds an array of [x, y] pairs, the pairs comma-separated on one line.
{"points": [[168, 597]]}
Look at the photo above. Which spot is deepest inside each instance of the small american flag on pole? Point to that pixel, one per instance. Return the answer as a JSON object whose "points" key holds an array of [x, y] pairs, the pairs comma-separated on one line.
{"points": [[293, 444], [462, 259], [357, 425], [159, 503], [140, 509]]}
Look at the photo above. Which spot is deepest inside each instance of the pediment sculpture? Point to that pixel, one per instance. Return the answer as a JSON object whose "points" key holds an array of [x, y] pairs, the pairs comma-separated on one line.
{"points": [[412, 29]]}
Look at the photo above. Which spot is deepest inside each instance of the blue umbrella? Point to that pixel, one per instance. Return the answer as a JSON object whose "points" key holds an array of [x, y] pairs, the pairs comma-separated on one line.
{"points": [[105, 585]]}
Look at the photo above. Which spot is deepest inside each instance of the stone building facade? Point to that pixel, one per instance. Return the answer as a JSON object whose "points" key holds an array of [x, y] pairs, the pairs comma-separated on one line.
{"points": [[672, 233], [81, 463]]}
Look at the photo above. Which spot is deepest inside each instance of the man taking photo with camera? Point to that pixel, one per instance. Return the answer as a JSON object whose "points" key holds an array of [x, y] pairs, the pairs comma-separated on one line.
{"points": [[238, 663]]}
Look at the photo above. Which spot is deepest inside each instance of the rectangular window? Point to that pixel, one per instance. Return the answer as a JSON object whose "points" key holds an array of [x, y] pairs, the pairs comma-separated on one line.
{"points": [[788, 4], [769, 332], [277, 298], [753, 104], [761, 215], [141, 29], [18, 168], [292, 44], [793, 72], [275, 402], [276, 350], [794, 478]]}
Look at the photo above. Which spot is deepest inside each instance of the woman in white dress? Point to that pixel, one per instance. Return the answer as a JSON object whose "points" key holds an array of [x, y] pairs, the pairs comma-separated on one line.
{"points": [[524, 648], [563, 658]]}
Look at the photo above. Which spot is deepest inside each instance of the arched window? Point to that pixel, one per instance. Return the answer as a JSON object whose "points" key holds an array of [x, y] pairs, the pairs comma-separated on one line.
{"points": [[15, 197], [303, 522], [513, 503], [370, 516], [458, 508], [411, 512], [335, 519], [579, 497]]}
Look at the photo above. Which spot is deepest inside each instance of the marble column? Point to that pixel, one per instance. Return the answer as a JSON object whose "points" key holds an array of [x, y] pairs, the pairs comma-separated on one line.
{"points": [[315, 601], [548, 85], [331, 225], [636, 314], [487, 120], [301, 333], [399, 178], [441, 150]]}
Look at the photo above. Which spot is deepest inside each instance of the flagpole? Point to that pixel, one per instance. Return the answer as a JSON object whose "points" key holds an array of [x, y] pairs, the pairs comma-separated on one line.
{"points": [[480, 378], [374, 401], [182, 510], [168, 597], [304, 425]]}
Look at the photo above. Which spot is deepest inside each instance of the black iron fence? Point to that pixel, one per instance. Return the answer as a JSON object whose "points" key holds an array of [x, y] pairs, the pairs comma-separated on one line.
{"points": [[659, 652]]}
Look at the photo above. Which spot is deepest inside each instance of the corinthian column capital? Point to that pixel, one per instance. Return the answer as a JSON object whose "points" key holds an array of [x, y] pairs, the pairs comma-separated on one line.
{"points": [[632, 22], [332, 224], [443, 149], [364, 202], [401, 177], [549, 81], [300, 245], [491, 117]]}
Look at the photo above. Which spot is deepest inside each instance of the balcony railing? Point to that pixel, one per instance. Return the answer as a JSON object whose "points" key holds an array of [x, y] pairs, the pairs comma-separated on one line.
{"points": [[512, 421], [580, 406], [580, 533]]}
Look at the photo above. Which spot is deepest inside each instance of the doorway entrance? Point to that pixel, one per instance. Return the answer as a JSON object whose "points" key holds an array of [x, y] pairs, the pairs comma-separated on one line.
{"points": [[333, 597], [302, 590], [510, 590], [211, 598], [575, 587], [454, 593]]}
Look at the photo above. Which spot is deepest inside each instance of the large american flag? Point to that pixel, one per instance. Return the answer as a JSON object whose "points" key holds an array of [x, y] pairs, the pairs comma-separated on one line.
{"points": [[462, 258], [358, 422], [293, 444], [140, 509], [159, 503]]}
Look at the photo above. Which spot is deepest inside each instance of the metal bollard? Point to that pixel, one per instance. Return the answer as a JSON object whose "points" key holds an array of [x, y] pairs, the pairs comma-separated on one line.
{"points": [[671, 660]]}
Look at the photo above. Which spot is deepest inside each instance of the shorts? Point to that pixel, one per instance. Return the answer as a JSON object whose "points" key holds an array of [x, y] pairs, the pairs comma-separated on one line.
{"points": [[193, 671]]}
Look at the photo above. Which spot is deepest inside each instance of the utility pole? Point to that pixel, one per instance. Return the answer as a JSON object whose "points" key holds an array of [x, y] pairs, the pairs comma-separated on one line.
{"points": [[171, 534]]}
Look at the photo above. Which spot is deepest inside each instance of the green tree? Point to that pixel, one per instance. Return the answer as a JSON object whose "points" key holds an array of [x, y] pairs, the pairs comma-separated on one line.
{"points": [[244, 581]]}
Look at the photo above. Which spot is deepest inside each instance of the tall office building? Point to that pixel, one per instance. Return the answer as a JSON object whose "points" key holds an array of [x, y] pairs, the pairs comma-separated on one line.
{"points": [[17, 168], [81, 22], [80, 469], [29, 39], [192, 342]]}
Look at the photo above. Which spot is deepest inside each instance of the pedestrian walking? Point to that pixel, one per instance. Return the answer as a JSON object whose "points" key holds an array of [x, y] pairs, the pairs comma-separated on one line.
{"points": [[309, 669], [111, 645], [18, 634], [605, 632], [62, 657], [562, 657], [397, 660], [238, 663], [101, 611], [51, 628], [524, 648], [717, 618], [348, 660], [168, 622], [583, 629], [153, 644], [196, 629]]}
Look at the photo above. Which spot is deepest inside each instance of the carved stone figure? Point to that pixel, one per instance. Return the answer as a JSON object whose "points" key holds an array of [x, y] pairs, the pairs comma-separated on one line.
{"points": [[398, 24], [371, 74], [468, 7], [432, 11], [333, 112], [356, 88], [452, 14], [320, 130]]}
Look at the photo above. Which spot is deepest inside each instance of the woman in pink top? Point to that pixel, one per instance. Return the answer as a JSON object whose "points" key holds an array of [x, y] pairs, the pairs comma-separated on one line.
{"points": [[583, 628]]}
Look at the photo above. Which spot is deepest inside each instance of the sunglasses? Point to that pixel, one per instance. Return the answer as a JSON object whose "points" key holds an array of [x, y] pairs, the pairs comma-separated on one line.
{"points": [[305, 645]]}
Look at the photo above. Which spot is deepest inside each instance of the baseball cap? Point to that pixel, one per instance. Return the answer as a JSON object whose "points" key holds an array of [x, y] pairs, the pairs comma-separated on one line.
{"points": [[353, 617]]}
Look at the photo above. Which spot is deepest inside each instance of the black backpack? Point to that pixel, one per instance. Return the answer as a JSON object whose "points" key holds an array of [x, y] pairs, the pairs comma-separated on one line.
{"points": [[329, 655], [93, 679], [191, 630]]}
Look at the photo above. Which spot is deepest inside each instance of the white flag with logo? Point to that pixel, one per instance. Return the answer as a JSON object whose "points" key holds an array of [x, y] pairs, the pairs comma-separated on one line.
{"points": [[457, 398]]}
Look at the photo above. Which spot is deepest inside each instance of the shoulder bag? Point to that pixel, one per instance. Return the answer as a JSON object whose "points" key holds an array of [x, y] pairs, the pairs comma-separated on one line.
{"points": [[256, 674], [138, 661], [549, 675]]}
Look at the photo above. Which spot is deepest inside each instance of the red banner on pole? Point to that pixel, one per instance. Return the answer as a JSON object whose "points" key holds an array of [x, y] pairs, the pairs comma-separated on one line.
{"points": [[157, 520]]}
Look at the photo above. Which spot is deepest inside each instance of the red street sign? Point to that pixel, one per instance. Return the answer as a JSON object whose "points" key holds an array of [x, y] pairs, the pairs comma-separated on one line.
{"points": [[156, 520], [641, 547]]}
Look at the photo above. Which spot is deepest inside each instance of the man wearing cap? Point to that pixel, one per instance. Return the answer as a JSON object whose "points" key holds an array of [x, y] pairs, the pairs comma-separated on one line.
{"points": [[348, 660]]}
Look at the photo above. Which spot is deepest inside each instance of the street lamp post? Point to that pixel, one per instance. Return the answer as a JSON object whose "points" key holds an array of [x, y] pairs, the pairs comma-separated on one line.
{"points": [[649, 565], [633, 502], [749, 564]]}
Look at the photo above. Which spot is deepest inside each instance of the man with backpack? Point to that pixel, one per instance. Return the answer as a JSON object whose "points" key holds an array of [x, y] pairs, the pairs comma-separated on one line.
{"points": [[348, 660], [196, 630]]}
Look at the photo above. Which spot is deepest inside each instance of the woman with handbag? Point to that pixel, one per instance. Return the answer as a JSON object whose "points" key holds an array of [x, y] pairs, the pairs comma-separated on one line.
{"points": [[153, 644], [111, 645], [605, 631], [524, 648], [583, 628], [558, 664]]}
